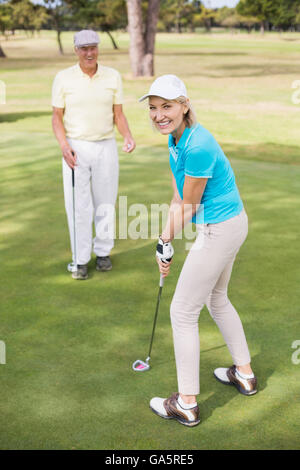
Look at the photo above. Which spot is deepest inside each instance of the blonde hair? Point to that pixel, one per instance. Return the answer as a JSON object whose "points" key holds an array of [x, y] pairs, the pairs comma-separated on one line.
{"points": [[190, 117]]}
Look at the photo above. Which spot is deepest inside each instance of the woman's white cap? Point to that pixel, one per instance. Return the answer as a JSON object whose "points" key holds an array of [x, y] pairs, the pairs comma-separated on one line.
{"points": [[169, 87]]}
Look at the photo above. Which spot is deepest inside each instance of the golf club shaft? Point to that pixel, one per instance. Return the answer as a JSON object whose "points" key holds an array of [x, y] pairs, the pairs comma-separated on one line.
{"points": [[161, 283], [74, 228]]}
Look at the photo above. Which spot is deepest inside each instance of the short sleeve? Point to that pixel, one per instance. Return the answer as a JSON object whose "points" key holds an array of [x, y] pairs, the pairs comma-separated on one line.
{"points": [[58, 99], [118, 95], [199, 163]]}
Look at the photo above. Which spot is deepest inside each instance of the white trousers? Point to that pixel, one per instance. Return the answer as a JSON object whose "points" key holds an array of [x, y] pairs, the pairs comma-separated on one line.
{"points": [[96, 189]]}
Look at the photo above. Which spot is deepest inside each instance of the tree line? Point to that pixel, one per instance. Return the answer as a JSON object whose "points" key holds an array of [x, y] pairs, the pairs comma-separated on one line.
{"points": [[142, 19]]}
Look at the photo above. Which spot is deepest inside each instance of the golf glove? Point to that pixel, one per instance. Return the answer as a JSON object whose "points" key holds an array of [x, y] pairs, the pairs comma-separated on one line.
{"points": [[164, 251]]}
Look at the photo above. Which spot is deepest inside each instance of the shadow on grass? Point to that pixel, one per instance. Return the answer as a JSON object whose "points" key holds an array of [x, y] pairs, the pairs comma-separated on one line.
{"points": [[252, 70], [222, 394], [13, 117], [291, 39], [196, 54], [59, 61], [264, 152]]}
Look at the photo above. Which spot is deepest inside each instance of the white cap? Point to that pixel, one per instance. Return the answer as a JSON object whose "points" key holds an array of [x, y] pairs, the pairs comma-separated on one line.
{"points": [[86, 37], [169, 87]]}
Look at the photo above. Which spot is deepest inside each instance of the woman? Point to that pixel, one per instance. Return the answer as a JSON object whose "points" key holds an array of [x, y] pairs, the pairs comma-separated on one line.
{"points": [[201, 174]]}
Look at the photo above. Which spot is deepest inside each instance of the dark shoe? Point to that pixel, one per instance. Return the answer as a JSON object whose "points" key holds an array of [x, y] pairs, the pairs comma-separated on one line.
{"points": [[230, 376], [103, 263], [169, 408], [82, 272]]}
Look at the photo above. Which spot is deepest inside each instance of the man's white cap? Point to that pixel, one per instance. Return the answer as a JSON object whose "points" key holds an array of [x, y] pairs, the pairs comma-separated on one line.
{"points": [[86, 37], [169, 87]]}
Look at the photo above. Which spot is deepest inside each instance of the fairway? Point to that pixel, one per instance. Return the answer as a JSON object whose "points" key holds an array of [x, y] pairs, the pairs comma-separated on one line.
{"points": [[67, 382]]}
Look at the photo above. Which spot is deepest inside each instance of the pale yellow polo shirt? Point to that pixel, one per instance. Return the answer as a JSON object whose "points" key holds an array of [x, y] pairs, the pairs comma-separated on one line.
{"points": [[88, 102]]}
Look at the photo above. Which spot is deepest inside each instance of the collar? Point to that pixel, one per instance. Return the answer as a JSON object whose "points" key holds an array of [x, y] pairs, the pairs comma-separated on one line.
{"points": [[183, 139], [97, 74]]}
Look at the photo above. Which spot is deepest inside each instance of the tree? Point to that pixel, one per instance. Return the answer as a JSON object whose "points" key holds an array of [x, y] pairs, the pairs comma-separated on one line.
{"points": [[166, 19], [286, 13], [230, 18], [142, 36], [5, 18], [22, 14], [181, 14], [231, 21], [204, 17], [58, 14], [106, 15], [297, 17], [25, 15], [111, 15], [249, 22], [223, 13], [264, 10]]}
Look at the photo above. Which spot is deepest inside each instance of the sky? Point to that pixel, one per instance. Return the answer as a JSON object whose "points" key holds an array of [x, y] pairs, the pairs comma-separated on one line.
{"points": [[220, 3]]}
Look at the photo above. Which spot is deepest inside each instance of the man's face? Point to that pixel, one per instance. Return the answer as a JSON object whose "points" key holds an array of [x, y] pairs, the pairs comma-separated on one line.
{"points": [[88, 56]]}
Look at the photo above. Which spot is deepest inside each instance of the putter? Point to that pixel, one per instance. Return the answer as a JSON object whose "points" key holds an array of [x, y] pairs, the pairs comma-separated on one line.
{"points": [[143, 366], [72, 267]]}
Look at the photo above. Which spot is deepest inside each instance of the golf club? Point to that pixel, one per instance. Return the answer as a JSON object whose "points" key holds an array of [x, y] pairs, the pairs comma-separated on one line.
{"points": [[139, 365], [72, 267]]}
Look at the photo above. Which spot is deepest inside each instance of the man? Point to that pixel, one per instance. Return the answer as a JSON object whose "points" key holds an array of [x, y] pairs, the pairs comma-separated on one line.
{"points": [[87, 102]]}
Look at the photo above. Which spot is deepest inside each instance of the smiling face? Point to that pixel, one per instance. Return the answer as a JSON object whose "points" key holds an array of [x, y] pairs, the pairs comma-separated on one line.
{"points": [[167, 116], [88, 56]]}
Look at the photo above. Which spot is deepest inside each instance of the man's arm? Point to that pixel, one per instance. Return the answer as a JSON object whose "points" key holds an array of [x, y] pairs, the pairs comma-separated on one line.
{"points": [[122, 126], [60, 134]]}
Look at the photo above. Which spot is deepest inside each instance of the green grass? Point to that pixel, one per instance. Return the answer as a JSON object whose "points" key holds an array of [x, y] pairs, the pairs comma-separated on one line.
{"points": [[68, 382]]}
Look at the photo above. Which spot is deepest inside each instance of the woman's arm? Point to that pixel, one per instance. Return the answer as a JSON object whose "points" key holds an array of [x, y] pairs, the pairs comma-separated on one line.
{"points": [[175, 204], [181, 214]]}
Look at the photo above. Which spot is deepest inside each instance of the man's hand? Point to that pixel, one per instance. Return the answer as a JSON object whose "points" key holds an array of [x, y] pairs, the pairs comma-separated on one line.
{"points": [[122, 125], [129, 144], [69, 156]]}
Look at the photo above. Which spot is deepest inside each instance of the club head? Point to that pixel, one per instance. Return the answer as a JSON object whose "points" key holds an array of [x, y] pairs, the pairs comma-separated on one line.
{"points": [[140, 366], [72, 267]]}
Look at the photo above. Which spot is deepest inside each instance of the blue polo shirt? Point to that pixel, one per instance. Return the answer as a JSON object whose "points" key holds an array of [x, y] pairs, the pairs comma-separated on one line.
{"points": [[198, 154]]}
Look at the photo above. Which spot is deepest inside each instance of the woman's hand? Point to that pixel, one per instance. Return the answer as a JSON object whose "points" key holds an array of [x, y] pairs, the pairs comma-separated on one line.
{"points": [[164, 268], [164, 255]]}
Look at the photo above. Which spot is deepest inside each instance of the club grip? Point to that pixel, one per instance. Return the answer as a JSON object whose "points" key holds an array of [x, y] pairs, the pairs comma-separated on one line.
{"points": [[161, 281], [73, 177]]}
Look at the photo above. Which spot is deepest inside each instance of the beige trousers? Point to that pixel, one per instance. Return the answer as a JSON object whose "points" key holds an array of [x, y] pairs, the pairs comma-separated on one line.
{"points": [[204, 280]]}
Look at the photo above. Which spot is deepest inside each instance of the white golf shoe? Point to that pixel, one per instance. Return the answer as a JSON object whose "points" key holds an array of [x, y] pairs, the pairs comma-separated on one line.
{"points": [[231, 376], [169, 408]]}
